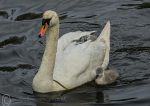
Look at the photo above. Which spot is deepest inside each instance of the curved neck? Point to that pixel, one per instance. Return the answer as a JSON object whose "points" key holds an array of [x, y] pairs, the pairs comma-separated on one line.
{"points": [[48, 60]]}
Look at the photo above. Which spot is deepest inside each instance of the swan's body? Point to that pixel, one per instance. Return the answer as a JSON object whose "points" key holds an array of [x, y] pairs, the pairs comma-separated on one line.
{"points": [[69, 62]]}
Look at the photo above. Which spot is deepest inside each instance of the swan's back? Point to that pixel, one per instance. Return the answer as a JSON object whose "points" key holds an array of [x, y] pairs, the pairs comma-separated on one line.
{"points": [[68, 38]]}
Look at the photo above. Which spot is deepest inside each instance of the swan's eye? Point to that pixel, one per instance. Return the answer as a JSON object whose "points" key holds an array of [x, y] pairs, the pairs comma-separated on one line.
{"points": [[44, 21]]}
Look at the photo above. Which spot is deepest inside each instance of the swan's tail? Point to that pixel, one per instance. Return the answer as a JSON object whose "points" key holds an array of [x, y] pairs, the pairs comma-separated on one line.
{"points": [[105, 37], [105, 34]]}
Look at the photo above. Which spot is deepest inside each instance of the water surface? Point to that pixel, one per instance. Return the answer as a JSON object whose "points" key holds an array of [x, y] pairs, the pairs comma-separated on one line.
{"points": [[21, 53]]}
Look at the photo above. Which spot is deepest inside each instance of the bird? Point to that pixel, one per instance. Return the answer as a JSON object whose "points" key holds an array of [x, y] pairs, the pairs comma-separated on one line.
{"points": [[73, 59]]}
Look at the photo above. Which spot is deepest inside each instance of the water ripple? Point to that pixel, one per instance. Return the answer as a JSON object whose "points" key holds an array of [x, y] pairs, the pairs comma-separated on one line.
{"points": [[12, 40], [28, 16]]}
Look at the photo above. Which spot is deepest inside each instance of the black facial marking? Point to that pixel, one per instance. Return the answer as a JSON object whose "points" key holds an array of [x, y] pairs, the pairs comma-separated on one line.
{"points": [[44, 21], [39, 36]]}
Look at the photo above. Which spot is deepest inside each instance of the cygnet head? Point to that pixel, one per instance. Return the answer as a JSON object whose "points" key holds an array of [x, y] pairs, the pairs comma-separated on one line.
{"points": [[50, 19], [108, 77]]}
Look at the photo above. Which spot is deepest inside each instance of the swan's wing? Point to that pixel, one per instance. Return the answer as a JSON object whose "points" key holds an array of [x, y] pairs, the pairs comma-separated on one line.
{"points": [[71, 63], [70, 37], [78, 62]]}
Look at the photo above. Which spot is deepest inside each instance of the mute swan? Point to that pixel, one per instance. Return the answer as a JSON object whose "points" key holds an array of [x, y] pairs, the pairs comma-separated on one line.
{"points": [[68, 62]]}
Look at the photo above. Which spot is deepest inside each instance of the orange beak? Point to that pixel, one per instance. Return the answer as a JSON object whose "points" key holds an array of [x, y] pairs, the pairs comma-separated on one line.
{"points": [[43, 30]]}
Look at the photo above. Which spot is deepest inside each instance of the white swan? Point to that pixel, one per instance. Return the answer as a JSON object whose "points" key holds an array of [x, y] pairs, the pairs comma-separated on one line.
{"points": [[72, 61]]}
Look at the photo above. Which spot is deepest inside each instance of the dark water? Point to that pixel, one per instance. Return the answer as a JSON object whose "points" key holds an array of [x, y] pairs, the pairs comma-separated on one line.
{"points": [[20, 53]]}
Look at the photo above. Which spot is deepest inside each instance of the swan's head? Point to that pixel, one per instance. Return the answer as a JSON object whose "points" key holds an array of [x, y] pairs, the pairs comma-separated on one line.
{"points": [[50, 19]]}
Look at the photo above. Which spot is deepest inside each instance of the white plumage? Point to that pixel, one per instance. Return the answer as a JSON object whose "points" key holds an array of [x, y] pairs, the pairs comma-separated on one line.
{"points": [[76, 60]]}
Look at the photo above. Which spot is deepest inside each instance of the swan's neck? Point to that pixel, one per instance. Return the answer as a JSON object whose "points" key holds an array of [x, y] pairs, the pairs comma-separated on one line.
{"points": [[48, 60]]}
